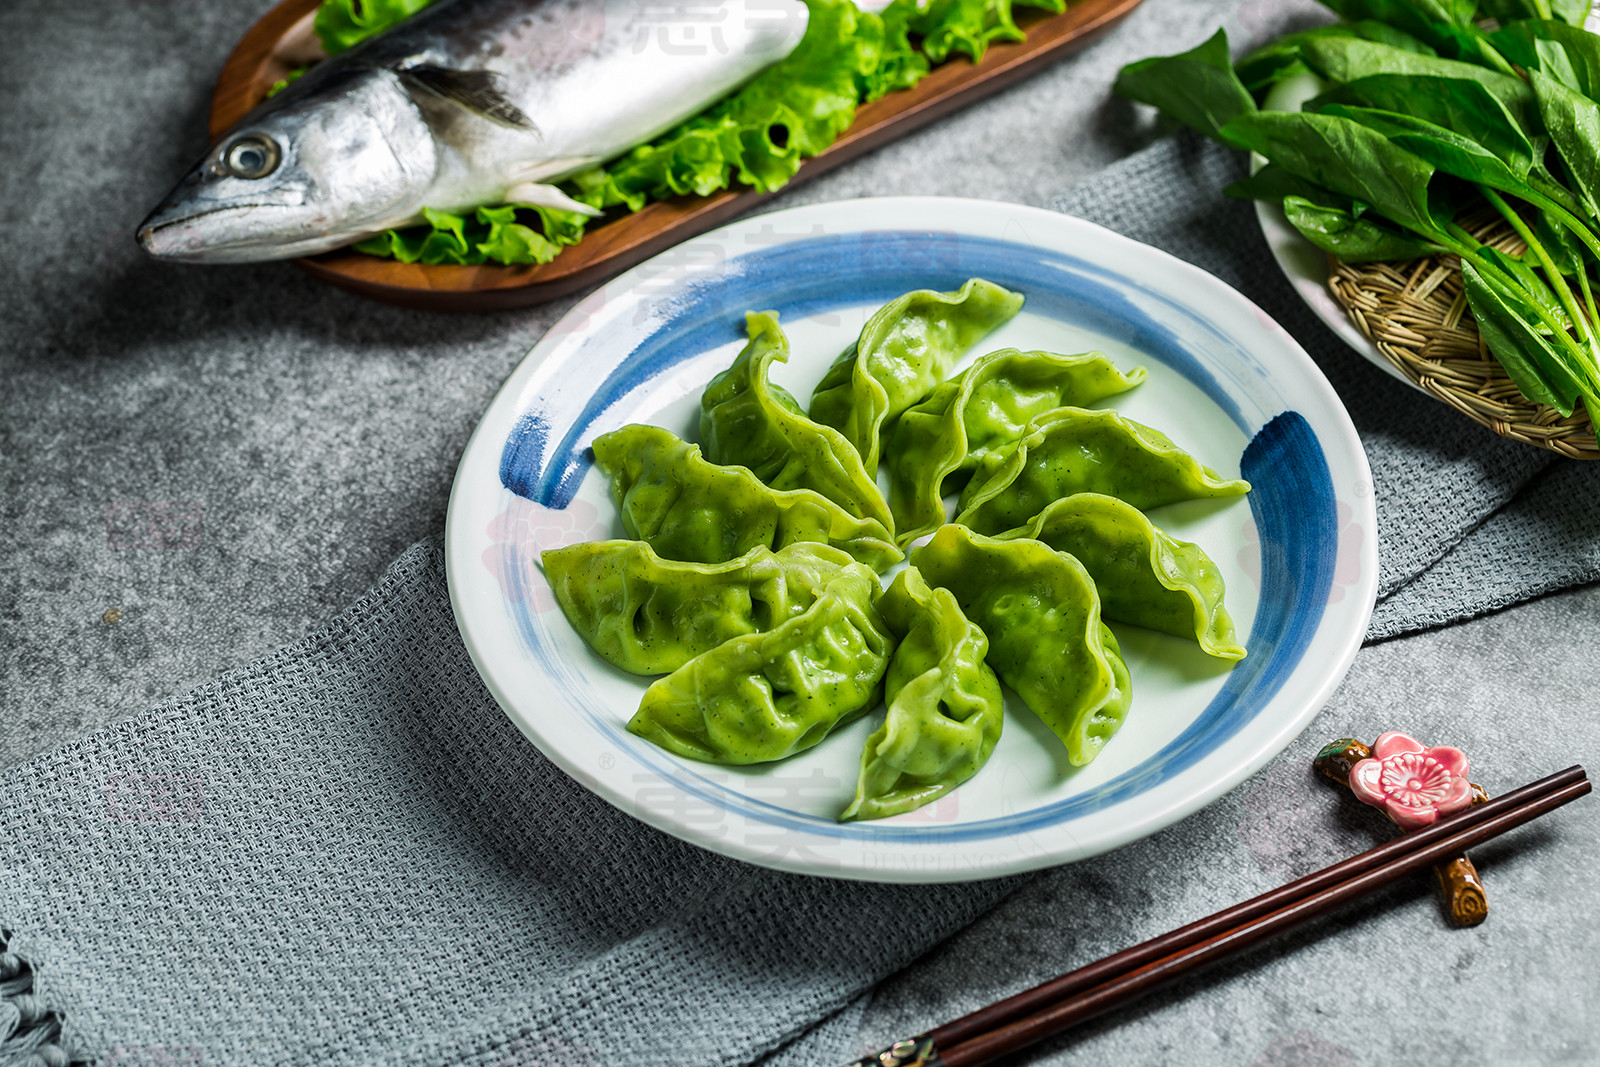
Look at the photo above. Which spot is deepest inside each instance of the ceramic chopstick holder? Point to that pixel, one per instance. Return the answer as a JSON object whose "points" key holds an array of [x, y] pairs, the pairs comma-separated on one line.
{"points": [[1414, 786]]}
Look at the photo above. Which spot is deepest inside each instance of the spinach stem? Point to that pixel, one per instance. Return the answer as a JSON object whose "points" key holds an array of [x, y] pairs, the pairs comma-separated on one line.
{"points": [[1463, 244], [1556, 192], [1566, 218], [1492, 54], [1588, 295], [1557, 280]]}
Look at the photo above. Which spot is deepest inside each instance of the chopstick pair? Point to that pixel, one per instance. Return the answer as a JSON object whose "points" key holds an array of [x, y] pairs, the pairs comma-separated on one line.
{"points": [[1056, 1005]]}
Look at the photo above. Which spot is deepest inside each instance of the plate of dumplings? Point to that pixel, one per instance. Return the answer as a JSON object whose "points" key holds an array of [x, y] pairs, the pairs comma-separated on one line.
{"points": [[913, 539]]}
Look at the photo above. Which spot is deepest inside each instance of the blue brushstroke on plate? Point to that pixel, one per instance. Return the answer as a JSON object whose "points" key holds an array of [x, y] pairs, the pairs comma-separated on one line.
{"points": [[546, 455], [1292, 500], [1296, 518]]}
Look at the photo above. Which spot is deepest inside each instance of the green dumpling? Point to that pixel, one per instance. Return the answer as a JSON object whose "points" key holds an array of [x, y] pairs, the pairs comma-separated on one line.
{"points": [[945, 707], [987, 407], [689, 508], [1042, 617], [746, 420], [1071, 450], [649, 615], [906, 348], [765, 696], [1144, 576]]}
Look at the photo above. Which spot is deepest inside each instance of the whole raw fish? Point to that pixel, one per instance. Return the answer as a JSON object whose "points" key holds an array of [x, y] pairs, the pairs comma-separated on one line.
{"points": [[469, 102]]}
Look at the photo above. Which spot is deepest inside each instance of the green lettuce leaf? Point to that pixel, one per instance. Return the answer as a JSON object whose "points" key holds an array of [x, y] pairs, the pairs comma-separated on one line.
{"points": [[970, 26], [341, 24], [510, 233]]}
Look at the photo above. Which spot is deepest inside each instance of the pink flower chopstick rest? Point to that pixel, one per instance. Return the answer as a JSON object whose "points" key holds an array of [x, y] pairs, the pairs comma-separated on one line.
{"points": [[1415, 786]]}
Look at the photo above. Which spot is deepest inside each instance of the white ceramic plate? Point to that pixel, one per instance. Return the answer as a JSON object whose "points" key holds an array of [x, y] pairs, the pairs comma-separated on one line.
{"points": [[1306, 267], [1225, 381]]}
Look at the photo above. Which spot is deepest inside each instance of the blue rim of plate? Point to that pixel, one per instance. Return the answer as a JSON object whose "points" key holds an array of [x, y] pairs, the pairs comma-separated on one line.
{"points": [[545, 457]]}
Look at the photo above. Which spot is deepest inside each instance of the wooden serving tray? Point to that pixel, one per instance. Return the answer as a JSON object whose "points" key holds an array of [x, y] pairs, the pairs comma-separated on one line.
{"points": [[283, 40]]}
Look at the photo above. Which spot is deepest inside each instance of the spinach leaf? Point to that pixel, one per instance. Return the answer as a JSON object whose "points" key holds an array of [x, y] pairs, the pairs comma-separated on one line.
{"points": [[1573, 121], [1197, 87], [1445, 24], [1553, 60], [1345, 156], [1504, 11], [1354, 240], [1345, 59], [1380, 166], [1272, 183], [1564, 248], [1278, 59], [1534, 288], [1447, 150], [1568, 53], [1459, 104], [1393, 36], [1427, 15], [1532, 363]]}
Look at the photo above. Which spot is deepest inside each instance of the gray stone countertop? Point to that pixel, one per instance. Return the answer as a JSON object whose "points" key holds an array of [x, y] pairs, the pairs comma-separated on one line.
{"points": [[198, 465]]}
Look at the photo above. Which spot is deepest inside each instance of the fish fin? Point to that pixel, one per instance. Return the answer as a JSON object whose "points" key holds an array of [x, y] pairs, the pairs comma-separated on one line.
{"points": [[474, 90], [538, 170], [538, 194]]}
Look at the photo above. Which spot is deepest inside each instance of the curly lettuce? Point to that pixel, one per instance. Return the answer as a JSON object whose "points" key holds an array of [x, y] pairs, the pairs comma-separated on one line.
{"points": [[342, 24], [758, 136], [970, 26]]}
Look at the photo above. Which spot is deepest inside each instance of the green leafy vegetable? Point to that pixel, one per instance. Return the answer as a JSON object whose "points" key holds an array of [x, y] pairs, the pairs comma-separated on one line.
{"points": [[1352, 239], [1273, 183], [284, 82], [489, 234], [1345, 59], [1345, 156], [970, 26], [1382, 164], [1447, 150], [1279, 59], [1574, 124], [1462, 105], [1531, 361], [1447, 25], [1572, 12], [1568, 53], [1197, 87], [342, 24], [1565, 249]]}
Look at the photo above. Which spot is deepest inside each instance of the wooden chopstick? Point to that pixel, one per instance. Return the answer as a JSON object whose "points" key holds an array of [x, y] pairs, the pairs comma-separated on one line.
{"points": [[1054, 1006], [1134, 983]]}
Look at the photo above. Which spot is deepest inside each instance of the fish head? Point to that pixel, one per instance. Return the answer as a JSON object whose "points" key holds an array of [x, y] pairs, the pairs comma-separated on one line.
{"points": [[330, 160]]}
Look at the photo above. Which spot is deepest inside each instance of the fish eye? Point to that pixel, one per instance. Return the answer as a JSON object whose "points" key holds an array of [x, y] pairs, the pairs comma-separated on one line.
{"points": [[254, 155]]}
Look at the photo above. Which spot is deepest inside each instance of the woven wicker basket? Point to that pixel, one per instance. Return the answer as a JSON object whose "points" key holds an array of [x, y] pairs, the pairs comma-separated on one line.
{"points": [[1416, 314]]}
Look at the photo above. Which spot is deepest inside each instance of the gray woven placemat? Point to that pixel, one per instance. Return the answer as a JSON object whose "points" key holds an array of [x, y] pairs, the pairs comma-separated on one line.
{"points": [[344, 853]]}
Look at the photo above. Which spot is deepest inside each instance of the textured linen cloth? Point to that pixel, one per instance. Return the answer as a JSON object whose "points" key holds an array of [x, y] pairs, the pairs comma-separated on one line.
{"points": [[344, 853]]}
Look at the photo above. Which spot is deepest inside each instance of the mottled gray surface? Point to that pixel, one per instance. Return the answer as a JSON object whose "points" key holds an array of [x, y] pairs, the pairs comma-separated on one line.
{"points": [[346, 854], [1387, 982], [229, 456], [232, 455]]}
